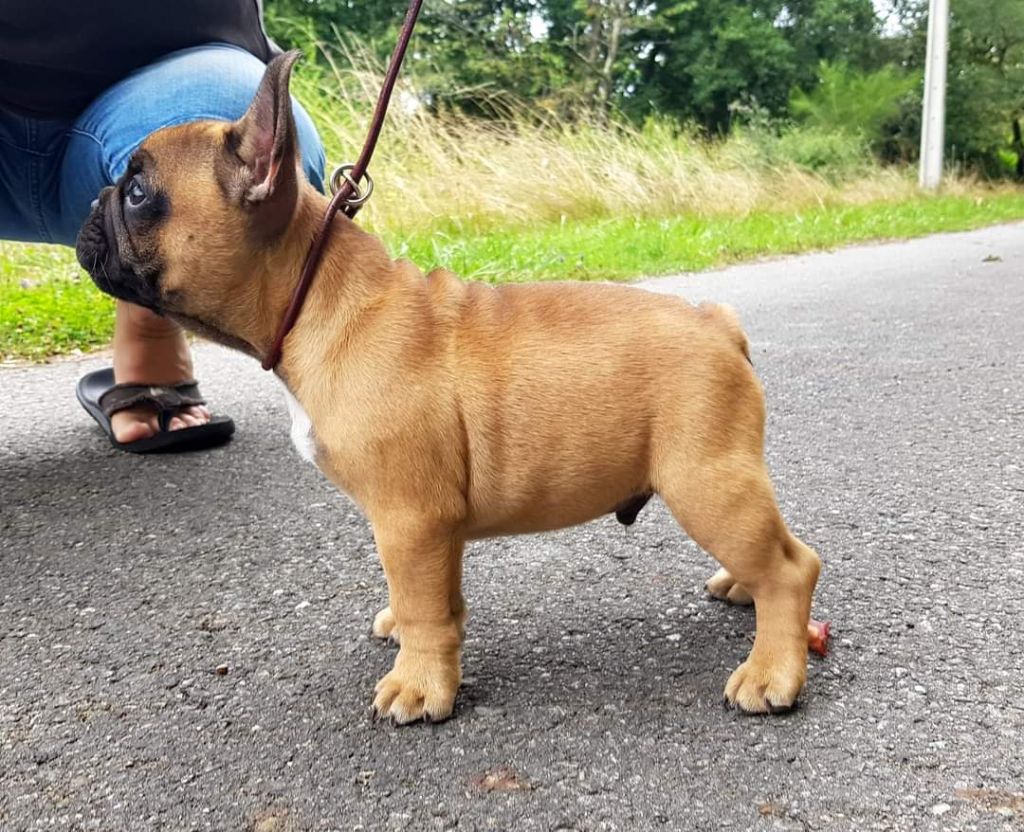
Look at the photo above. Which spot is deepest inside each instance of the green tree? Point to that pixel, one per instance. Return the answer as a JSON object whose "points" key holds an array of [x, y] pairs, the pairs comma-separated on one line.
{"points": [[986, 92], [845, 100], [290, 22], [985, 95], [834, 31], [481, 52], [696, 59]]}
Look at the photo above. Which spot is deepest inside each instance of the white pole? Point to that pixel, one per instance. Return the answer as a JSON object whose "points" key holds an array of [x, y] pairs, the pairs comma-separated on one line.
{"points": [[933, 117]]}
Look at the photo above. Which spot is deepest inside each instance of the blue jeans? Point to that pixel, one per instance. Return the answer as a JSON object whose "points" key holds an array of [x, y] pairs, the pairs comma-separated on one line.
{"points": [[51, 170]]}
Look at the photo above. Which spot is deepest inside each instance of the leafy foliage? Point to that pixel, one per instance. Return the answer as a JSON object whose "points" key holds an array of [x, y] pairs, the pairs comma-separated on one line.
{"points": [[986, 91], [862, 104], [827, 63], [985, 98]]}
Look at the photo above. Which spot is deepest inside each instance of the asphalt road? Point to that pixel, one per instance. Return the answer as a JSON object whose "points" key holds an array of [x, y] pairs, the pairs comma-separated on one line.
{"points": [[594, 662]]}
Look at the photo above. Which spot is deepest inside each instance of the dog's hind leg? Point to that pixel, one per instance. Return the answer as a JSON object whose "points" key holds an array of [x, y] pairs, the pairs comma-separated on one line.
{"points": [[725, 587], [420, 561], [726, 504]]}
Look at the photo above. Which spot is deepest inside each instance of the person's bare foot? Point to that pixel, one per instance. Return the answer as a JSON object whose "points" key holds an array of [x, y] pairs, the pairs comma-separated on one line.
{"points": [[149, 349]]}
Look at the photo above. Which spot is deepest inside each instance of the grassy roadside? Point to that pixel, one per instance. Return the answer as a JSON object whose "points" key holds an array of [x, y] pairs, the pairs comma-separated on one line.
{"points": [[48, 307], [625, 247]]}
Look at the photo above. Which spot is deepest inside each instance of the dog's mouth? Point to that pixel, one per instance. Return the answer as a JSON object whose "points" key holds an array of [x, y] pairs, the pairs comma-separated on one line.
{"points": [[93, 249], [97, 251]]}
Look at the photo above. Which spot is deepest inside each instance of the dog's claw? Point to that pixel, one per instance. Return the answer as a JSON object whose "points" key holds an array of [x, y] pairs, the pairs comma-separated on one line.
{"points": [[761, 687], [418, 688]]}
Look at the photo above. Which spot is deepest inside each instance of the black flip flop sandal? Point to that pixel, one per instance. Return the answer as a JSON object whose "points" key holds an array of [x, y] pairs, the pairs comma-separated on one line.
{"points": [[102, 398]]}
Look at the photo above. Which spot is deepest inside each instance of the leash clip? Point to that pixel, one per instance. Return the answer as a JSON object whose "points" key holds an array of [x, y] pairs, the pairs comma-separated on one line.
{"points": [[343, 173]]}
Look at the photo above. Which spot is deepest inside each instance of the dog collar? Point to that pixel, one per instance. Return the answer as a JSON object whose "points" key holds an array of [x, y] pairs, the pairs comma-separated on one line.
{"points": [[347, 194]]}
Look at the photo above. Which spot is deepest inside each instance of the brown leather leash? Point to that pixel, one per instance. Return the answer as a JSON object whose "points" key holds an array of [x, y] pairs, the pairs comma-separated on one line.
{"points": [[348, 195]]}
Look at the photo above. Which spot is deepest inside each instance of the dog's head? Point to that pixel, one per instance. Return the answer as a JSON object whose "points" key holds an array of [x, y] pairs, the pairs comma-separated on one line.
{"points": [[199, 209]]}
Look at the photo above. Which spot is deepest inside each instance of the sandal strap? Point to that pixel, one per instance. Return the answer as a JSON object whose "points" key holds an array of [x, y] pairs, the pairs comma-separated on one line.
{"points": [[166, 398]]}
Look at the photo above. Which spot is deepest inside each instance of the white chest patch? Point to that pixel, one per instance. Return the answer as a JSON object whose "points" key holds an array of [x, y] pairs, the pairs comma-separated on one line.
{"points": [[302, 428]]}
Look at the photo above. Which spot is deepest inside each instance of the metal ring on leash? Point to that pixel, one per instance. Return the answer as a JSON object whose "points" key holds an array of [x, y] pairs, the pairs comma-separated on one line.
{"points": [[344, 173]]}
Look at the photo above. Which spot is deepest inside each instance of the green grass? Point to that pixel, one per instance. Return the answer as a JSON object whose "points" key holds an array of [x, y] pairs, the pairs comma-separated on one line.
{"points": [[47, 307], [626, 247]]}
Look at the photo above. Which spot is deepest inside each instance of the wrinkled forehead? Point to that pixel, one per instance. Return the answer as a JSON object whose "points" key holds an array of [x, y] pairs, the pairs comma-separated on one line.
{"points": [[179, 160]]}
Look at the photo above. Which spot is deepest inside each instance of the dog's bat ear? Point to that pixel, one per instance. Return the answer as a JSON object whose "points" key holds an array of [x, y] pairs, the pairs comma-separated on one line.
{"points": [[264, 138]]}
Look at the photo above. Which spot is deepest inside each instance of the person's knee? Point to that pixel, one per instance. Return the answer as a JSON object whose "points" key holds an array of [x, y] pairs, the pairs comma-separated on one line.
{"points": [[83, 174], [216, 81], [219, 82]]}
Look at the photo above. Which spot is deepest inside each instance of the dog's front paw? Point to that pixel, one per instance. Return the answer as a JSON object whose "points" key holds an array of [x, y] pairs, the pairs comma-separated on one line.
{"points": [[761, 687], [723, 586], [421, 686], [385, 626]]}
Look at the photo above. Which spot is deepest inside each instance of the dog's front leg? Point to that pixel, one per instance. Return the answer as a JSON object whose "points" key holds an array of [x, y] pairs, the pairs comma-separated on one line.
{"points": [[422, 563], [385, 627]]}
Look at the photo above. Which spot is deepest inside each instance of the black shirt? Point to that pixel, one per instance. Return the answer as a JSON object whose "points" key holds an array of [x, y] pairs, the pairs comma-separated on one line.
{"points": [[58, 55]]}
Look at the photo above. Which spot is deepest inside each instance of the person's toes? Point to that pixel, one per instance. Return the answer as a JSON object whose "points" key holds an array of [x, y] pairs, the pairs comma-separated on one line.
{"points": [[189, 417], [133, 432], [132, 425], [188, 420], [141, 423], [200, 413]]}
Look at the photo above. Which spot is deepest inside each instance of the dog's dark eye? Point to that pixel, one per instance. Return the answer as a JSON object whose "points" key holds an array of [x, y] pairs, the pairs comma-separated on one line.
{"points": [[134, 193]]}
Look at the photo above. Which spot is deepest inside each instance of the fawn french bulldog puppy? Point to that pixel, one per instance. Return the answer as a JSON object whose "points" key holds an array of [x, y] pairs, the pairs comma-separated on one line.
{"points": [[452, 411]]}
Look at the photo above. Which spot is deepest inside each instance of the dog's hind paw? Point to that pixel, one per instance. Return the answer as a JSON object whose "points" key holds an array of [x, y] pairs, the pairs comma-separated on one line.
{"points": [[723, 586], [385, 626]]}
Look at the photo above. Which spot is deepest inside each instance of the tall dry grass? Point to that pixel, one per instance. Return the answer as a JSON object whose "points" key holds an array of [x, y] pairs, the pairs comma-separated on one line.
{"points": [[457, 173]]}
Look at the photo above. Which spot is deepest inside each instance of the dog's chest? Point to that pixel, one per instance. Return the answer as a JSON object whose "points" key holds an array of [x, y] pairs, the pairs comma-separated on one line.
{"points": [[302, 428]]}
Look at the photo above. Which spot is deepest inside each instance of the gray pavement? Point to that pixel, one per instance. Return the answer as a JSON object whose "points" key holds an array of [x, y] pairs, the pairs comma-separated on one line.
{"points": [[594, 662]]}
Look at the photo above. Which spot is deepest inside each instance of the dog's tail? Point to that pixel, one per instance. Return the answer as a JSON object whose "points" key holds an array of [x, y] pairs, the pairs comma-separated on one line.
{"points": [[725, 317]]}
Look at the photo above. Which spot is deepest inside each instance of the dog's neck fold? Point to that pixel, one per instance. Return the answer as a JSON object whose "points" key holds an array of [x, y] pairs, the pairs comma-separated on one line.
{"points": [[354, 272]]}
